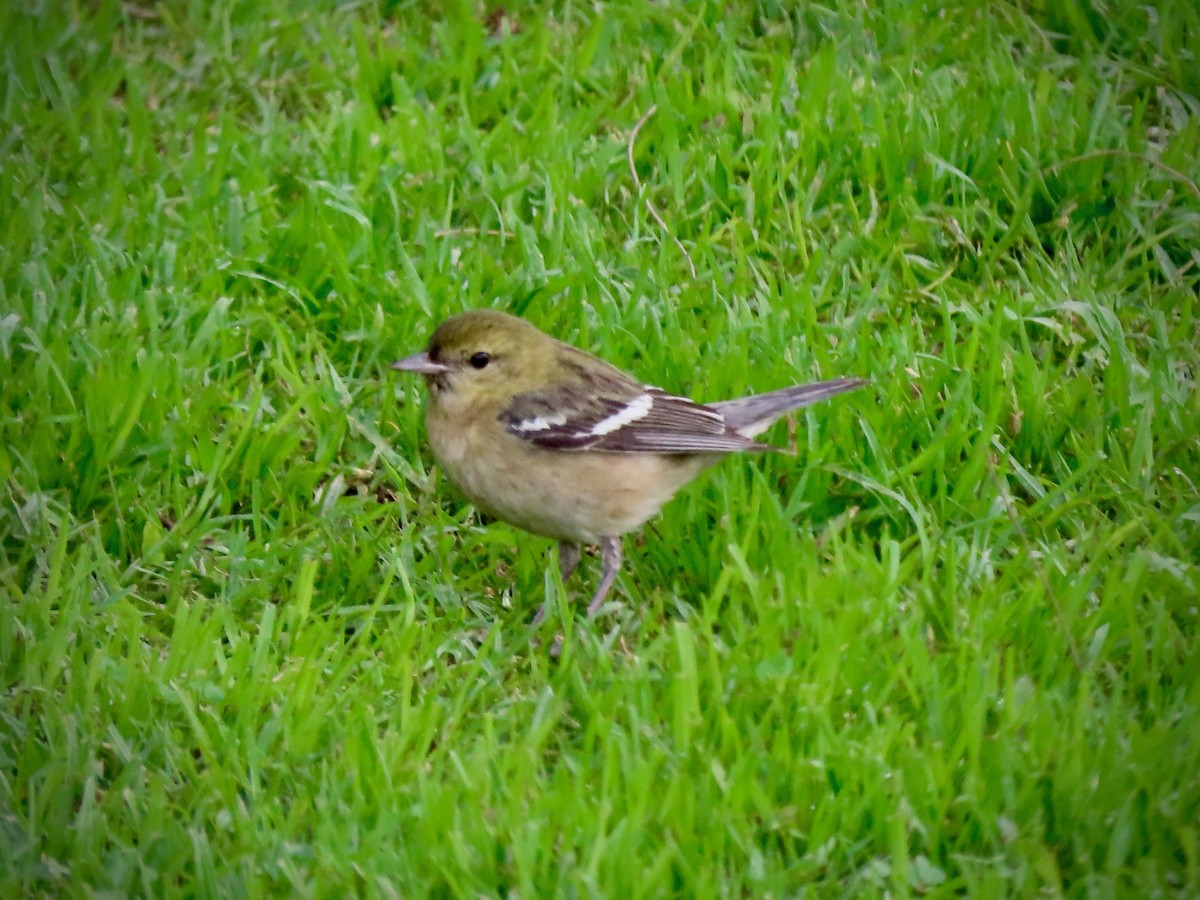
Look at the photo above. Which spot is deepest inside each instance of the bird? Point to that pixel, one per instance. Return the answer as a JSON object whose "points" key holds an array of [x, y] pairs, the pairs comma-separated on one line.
{"points": [[559, 443]]}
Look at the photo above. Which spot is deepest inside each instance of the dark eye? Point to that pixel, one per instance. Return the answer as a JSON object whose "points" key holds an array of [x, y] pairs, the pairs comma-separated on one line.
{"points": [[479, 360]]}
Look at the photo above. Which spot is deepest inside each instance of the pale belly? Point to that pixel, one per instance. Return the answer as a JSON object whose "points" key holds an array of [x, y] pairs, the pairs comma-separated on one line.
{"points": [[573, 496]]}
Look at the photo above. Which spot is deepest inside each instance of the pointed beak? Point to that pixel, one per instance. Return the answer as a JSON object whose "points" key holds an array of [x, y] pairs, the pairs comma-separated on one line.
{"points": [[421, 364]]}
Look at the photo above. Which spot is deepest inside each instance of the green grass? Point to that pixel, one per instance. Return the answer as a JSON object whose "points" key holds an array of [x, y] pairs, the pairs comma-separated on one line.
{"points": [[950, 648]]}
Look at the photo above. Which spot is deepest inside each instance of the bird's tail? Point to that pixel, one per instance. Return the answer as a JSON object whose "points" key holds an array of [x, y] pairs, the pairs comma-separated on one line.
{"points": [[749, 416]]}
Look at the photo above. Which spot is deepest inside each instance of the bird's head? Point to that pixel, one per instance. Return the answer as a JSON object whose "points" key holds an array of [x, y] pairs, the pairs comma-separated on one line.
{"points": [[482, 354]]}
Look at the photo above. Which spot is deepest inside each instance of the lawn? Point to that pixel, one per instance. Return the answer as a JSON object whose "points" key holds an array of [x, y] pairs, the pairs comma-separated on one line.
{"points": [[252, 643]]}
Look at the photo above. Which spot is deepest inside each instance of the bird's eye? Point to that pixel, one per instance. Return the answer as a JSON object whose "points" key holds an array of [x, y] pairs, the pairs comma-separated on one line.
{"points": [[479, 360]]}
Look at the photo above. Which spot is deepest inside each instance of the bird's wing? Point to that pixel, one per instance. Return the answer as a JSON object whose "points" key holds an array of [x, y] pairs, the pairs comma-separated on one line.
{"points": [[651, 421], [604, 409]]}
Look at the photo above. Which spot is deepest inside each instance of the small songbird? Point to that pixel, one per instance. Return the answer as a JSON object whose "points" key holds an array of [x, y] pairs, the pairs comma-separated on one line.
{"points": [[560, 443]]}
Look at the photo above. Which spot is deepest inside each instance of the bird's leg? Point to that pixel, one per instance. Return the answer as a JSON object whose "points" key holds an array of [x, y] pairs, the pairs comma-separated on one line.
{"points": [[610, 552], [568, 561]]}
